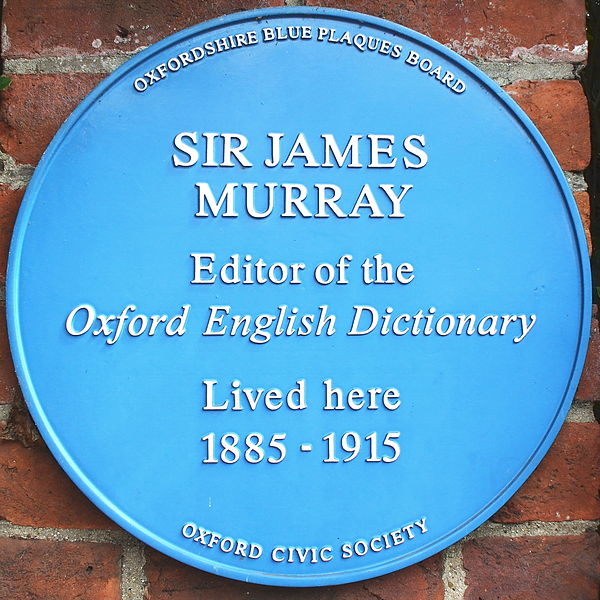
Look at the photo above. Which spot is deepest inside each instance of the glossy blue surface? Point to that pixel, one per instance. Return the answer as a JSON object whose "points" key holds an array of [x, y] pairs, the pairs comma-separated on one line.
{"points": [[490, 228]]}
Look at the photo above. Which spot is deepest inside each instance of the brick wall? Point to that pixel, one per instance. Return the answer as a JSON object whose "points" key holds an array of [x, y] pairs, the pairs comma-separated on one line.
{"points": [[54, 544]]}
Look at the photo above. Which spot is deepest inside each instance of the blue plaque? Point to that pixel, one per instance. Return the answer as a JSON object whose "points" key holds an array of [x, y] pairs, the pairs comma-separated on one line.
{"points": [[298, 297]]}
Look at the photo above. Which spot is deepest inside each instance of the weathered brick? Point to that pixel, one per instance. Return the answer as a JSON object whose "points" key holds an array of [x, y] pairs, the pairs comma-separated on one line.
{"points": [[9, 385], [583, 204], [488, 30], [169, 579], [589, 384], [565, 484], [557, 568], [50, 570], [34, 107], [10, 200], [559, 110], [64, 27], [35, 491], [18, 426]]}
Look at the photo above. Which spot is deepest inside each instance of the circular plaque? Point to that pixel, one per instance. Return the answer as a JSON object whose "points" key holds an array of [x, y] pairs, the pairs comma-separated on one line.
{"points": [[298, 297]]}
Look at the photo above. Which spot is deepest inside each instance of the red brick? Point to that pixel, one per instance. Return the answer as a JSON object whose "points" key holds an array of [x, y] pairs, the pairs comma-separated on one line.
{"points": [[64, 27], [565, 485], [169, 579], [10, 201], [35, 491], [49, 570], [9, 385], [559, 110], [34, 107], [484, 29], [589, 385], [532, 568], [582, 200]]}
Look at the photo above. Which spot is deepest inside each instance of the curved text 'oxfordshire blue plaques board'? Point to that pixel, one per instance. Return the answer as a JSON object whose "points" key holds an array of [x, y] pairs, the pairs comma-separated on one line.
{"points": [[298, 297]]}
